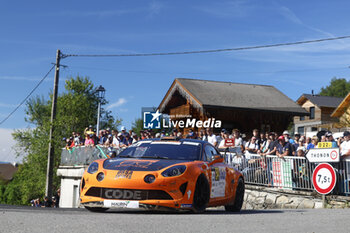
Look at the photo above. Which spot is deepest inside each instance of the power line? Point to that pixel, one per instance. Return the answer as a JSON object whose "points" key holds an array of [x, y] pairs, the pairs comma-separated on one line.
{"points": [[206, 51], [207, 73], [30, 93]]}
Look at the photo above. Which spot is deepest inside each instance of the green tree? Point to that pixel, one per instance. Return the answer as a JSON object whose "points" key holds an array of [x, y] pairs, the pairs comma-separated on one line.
{"points": [[337, 88], [76, 109], [137, 126]]}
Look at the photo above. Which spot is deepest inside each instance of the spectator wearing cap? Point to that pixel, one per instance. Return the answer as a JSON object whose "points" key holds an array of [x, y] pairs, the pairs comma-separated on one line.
{"points": [[301, 151], [123, 129], [287, 137], [284, 148], [329, 138], [222, 142], [89, 130], [89, 141]]}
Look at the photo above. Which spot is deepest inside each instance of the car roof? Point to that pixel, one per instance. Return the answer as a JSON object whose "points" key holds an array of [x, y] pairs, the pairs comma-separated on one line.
{"points": [[165, 139]]}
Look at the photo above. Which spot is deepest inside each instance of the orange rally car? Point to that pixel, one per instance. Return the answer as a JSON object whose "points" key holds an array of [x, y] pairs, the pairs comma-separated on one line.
{"points": [[184, 174]]}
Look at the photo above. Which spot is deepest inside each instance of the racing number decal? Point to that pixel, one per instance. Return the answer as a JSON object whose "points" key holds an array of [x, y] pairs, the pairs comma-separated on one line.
{"points": [[218, 182]]}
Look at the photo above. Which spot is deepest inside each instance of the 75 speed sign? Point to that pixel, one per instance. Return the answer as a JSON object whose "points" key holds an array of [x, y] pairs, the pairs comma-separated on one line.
{"points": [[324, 178]]}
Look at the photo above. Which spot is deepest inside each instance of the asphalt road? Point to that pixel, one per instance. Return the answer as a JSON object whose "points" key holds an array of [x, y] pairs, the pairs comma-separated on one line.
{"points": [[28, 219]]}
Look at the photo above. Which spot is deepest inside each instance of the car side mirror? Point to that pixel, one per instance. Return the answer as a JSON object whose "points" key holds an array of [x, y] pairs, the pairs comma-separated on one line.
{"points": [[216, 159]]}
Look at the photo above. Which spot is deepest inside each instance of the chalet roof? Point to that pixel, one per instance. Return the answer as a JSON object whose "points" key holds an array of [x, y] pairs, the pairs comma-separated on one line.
{"points": [[235, 95], [320, 101], [341, 108]]}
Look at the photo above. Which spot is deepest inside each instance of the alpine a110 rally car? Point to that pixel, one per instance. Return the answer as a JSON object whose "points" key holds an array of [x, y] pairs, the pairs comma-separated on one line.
{"points": [[183, 174]]}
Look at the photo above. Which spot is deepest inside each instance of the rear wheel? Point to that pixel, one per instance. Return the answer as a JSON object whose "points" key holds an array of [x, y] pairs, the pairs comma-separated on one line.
{"points": [[201, 195], [237, 205], [96, 209]]}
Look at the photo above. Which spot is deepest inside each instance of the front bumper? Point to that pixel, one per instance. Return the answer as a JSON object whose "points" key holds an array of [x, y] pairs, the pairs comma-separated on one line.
{"points": [[137, 205]]}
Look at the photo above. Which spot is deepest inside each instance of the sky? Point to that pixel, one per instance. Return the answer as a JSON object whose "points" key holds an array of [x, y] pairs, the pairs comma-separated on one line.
{"points": [[32, 31]]}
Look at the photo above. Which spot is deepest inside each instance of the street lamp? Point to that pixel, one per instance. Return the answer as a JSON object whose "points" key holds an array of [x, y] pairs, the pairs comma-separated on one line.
{"points": [[101, 94]]}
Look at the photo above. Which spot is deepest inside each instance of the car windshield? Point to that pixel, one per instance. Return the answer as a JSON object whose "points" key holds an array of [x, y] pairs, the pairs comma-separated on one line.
{"points": [[173, 150]]}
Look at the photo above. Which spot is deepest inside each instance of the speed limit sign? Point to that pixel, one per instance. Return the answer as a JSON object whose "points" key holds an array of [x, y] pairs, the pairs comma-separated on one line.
{"points": [[324, 178]]}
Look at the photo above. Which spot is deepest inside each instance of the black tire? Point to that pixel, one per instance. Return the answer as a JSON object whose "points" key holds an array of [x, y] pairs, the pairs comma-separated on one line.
{"points": [[201, 195], [96, 209], [237, 205]]}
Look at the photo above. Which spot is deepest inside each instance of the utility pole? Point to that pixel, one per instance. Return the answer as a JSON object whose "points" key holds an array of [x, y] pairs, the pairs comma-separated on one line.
{"points": [[50, 156]]}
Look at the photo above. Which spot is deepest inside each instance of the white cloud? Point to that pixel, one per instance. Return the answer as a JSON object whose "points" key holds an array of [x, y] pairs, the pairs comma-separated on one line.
{"points": [[118, 103], [291, 16], [7, 153]]}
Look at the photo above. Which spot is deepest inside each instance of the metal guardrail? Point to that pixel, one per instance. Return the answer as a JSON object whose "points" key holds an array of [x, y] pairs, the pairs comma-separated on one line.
{"points": [[290, 172], [84, 155]]}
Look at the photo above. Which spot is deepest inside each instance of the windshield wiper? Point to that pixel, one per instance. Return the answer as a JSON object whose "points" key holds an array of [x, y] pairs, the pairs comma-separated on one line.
{"points": [[155, 157]]}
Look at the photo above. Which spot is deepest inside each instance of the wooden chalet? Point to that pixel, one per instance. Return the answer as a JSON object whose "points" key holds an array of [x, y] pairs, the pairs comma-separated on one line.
{"points": [[237, 105]]}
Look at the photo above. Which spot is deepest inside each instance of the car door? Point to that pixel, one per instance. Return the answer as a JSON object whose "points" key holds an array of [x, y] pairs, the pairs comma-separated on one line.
{"points": [[217, 174]]}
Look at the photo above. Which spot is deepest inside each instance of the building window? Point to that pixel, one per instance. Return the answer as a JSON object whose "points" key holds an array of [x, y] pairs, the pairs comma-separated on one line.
{"points": [[302, 118], [312, 112], [313, 129], [301, 130]]}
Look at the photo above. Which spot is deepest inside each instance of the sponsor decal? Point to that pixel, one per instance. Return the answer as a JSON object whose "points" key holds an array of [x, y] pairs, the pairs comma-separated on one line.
{"points": [[186, 205], [121, 204], [189, 194], [218, 182], [127, 174], [137, 163], [123, 194]]}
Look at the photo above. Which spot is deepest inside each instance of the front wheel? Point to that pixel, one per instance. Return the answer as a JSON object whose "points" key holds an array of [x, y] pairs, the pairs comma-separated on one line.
{"points": [[201, 195], [237, 205]]}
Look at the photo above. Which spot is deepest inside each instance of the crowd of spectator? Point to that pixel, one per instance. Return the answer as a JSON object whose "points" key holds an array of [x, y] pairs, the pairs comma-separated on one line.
{"points": [[262, 143], [272, 143], [46, 202]]}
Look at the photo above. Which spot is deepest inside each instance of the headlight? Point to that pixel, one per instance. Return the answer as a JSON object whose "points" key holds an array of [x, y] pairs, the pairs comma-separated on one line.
{"points": [[100, 176], [149, 179], [174, 171], [93, 168]]}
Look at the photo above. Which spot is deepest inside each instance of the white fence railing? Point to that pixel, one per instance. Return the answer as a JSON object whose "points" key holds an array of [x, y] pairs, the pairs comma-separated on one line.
{"points": [[289, 172]]}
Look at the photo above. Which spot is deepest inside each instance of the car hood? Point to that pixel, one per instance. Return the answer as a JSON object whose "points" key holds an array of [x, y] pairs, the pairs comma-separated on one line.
{"points": [[139, 164]]}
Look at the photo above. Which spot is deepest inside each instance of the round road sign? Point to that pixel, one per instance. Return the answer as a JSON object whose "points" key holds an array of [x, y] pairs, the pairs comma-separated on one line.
{"points": [[324, 178]]}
